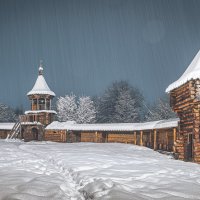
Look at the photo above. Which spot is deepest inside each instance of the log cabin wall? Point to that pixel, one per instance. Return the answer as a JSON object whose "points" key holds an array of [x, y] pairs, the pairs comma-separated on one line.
{"points": [[121, 137], [161, 139], [185, 102], [55, 135], [93, 136], [4, 133]]}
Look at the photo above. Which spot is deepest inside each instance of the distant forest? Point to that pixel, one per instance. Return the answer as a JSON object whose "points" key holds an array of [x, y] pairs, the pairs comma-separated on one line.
{"points": [[120, 103]]}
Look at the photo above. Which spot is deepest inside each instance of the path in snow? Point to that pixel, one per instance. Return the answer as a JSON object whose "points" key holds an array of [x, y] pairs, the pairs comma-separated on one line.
{"points": [[28, 175], [46, 170]]}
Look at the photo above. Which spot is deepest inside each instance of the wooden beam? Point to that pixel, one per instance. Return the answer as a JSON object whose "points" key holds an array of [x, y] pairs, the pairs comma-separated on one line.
{"points": [[166, 135], [174, 138], [96, 135], [37, 104], [135, 137], [150, 137], [154, 140], [141, 138]]}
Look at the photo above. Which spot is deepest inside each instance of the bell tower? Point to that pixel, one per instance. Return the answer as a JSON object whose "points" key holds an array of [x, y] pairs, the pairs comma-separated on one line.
{"points": [[41, 100]]}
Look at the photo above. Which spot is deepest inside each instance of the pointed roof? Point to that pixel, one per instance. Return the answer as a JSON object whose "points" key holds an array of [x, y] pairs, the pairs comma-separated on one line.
{"points": [[192, 72], [41, 86]]}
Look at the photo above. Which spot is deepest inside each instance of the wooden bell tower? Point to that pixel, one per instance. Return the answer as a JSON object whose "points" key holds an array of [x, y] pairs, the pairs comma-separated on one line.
{"points": [[41, 101]]}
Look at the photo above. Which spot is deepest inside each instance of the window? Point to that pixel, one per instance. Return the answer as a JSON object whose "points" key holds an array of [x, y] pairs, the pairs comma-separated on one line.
{"points": [[41, 104]]}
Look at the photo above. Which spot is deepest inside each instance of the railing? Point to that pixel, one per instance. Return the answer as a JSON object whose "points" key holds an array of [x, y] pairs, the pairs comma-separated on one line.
{"points": [[26, 118]]}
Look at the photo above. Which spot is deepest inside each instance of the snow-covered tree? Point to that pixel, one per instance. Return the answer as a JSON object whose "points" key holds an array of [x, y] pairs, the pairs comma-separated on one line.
{"points": [[67, 108], [160, 110], [7, 114], [125, 109], [120, 95], [86, 111]]}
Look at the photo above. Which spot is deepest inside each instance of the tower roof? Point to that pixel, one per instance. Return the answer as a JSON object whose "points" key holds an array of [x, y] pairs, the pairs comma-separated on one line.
{"points": [[192, 72], [41, 86]]}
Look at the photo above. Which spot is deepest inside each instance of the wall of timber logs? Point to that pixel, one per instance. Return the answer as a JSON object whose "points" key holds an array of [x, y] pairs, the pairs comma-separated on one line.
{"points": [[161, 139], [185, 102], [4, 133]]}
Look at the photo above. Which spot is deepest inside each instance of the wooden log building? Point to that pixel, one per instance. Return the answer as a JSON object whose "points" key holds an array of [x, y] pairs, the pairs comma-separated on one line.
{"points": [[185, 101], [156, 135], [181, 135]]}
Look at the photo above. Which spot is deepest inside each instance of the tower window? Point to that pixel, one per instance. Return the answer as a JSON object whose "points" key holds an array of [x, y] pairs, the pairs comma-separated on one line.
{"points": [[41, 103], [35, 101]]}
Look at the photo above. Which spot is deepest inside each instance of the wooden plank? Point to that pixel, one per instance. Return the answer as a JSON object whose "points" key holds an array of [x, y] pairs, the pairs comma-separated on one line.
{"points": [[141, 138], [135, 137], [154, 140]]}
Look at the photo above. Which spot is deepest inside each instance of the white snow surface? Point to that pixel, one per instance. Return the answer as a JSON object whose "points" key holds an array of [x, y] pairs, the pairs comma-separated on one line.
{"points": [[41, 87], [114, 126], [47, 170], [39, 111], [192, 72], [6, 126]]}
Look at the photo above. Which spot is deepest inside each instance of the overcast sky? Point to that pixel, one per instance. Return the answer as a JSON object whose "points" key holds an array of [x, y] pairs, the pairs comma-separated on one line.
{"points": [[88, 44]]}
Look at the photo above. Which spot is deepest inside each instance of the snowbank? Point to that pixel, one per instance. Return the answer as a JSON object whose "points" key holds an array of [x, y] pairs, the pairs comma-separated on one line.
{"points": [[47, 170]]}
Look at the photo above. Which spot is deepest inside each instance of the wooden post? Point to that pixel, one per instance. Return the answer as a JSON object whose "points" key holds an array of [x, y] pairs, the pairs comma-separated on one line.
{"points": [[65, 136], [174, 138], [141, 138], [96, 134], [45, 103], [150, 137], [37, 105], [154, 140], [150, 145], [166, 135], [135, 137], [31, 104]]}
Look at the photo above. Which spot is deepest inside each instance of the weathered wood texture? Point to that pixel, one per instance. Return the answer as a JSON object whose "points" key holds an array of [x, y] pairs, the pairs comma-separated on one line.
{"points": [[55, 135], [4, 134], [162, 139], [44, 118], [185, 102], [32, 132], [121, 137]]}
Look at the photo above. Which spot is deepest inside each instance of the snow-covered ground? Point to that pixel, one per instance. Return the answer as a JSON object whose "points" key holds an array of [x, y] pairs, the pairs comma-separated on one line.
{"points": [[45, 170]]}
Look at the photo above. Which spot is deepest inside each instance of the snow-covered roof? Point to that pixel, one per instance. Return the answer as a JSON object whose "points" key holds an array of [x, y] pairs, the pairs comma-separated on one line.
{"points": [[41, 86], [192, 72], [31, 123], [39, 111], [114, 126], [6, 126]]}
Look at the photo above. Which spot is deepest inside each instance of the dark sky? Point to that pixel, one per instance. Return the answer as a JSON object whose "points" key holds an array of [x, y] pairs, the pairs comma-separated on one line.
{"points": [[88, 44]]}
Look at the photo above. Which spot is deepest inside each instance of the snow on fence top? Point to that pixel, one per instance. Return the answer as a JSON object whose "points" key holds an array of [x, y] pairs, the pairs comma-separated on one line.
{"points": [[192, 72], [6, 126], [39, 111], [114, 126], [41, 86]]}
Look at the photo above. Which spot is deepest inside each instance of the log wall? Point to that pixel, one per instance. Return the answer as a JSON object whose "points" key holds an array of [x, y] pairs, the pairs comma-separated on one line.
{"points": [[124, 137], [162, 139], [4, 134], [185, 102], [55, 135]]}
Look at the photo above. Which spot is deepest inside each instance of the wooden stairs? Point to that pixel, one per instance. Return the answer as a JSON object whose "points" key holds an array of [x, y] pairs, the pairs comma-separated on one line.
{"points": [[15, 131]]}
